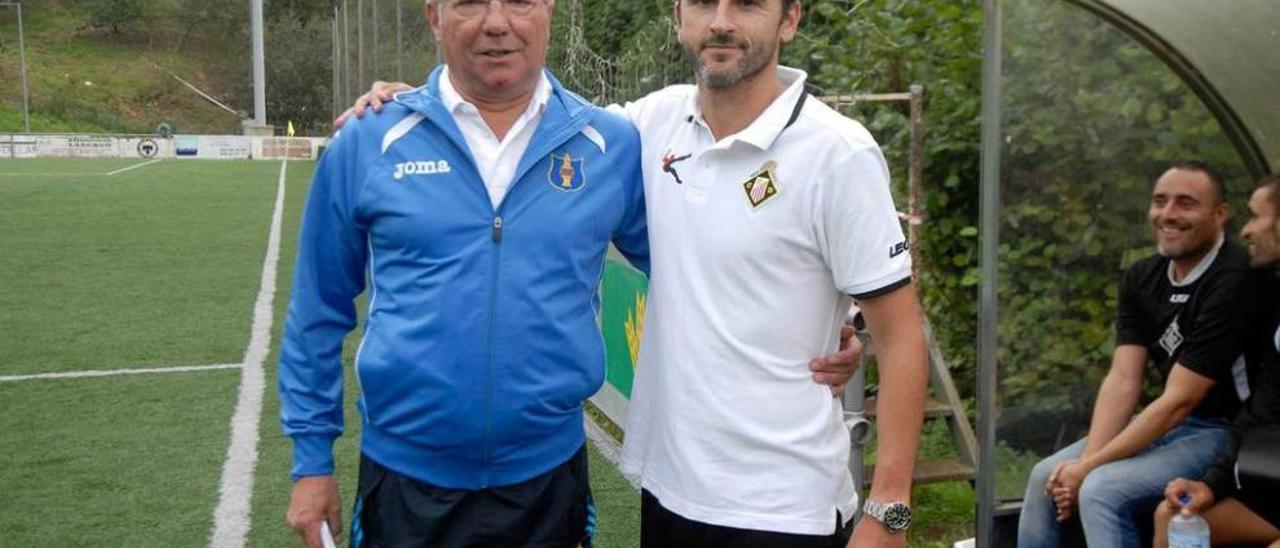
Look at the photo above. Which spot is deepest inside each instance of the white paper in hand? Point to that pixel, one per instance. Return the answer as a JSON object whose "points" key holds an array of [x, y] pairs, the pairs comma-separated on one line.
{"points": [[326, 536]]}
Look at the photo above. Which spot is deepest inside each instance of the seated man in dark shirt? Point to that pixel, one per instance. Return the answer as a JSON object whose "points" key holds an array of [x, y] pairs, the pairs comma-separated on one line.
{"points": [[1176, 312], [1241, 513]]}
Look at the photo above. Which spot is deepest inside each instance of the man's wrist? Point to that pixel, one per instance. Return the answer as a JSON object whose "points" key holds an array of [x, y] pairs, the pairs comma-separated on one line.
{"points": [[891, 491], [1087, 464], [893, 480], [901, 494]]}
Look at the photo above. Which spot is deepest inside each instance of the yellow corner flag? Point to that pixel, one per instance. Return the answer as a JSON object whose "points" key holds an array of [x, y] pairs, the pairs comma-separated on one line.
{"points": [[290, 131]]}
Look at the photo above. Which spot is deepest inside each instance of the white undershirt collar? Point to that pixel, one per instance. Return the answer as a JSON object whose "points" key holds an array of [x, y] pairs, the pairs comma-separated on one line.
{"points": [[453, 100], [1200, 267], [496, 160]]}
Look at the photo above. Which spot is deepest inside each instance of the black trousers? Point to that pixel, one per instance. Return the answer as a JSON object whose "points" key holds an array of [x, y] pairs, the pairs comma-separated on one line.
{"points": [[662, 528], [553, 510]]}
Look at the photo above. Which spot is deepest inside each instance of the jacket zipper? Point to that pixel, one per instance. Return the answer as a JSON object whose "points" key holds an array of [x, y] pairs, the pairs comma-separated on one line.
{"points": [[496, 236]]}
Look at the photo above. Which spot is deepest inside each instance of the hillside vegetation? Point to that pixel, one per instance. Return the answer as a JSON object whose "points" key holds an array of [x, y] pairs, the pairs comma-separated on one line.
{"points": [[94, 78], [108, 65]]}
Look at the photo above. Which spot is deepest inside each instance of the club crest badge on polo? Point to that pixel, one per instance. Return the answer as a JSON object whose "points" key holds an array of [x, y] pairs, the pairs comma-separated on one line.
{"points": [[567, 173], [762, 186]]}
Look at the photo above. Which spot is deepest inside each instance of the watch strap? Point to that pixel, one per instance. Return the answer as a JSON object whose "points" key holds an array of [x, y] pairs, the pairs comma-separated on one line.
{"points": [[878, 511]]}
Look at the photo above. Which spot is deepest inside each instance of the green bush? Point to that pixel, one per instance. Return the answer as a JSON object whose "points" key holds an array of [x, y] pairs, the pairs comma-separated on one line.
{"points": [[116, 13]]}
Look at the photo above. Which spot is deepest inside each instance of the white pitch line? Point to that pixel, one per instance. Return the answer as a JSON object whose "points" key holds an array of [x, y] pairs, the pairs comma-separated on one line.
{"points": [[235, 493], [606, 445], [49, 174], [117, 372], [134, 166]]}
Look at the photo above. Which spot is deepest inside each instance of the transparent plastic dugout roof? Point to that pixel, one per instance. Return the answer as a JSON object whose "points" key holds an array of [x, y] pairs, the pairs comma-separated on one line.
{"points": [[1229, 49]]}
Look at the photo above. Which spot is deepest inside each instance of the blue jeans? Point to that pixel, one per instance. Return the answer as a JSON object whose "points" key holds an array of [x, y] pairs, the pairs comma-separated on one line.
{"points": [[1117, 495]]}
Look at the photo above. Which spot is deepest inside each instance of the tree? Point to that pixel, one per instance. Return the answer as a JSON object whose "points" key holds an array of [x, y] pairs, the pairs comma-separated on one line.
{"points": [[298, 73], [116, 13]]}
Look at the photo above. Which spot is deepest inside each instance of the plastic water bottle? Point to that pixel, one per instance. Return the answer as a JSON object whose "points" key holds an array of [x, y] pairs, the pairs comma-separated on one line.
{"points": [[1188, 530]]}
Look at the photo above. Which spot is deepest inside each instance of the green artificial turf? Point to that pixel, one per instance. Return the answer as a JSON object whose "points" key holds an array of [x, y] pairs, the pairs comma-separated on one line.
{"points": [[154, 266], [116, 461], [42, 170]]}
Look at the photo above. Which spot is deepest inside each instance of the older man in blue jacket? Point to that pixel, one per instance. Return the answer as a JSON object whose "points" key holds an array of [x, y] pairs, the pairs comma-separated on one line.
{"points": [[480, 208]]}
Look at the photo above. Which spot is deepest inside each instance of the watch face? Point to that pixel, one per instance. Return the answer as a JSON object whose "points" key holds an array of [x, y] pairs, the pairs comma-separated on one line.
{"points": [[897, 517]]}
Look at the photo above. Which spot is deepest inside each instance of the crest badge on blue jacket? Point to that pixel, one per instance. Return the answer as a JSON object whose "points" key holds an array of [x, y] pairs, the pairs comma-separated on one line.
{"points": [[567, 173]]}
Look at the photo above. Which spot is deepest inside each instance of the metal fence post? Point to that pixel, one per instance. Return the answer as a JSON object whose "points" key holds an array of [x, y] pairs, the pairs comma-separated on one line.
{"points": [[360, 79], [988, 300], [259, 65], [22, 55], [336, 51], [915, 177], [399, 41], [346, 53]]}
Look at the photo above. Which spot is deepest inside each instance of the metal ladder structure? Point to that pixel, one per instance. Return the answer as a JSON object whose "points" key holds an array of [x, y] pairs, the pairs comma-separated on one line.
{"points": [[944, 402]]}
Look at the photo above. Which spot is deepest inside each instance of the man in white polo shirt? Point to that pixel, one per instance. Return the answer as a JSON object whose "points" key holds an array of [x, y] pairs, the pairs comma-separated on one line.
{"points": [[769, 214]]}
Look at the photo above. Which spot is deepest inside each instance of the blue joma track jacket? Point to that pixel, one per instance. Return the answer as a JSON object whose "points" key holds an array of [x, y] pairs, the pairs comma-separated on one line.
{"points": [[482, 340]]}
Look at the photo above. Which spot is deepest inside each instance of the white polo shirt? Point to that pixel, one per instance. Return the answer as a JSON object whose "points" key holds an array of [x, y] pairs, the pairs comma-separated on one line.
{"points": [[758, 241], [496, 160]]}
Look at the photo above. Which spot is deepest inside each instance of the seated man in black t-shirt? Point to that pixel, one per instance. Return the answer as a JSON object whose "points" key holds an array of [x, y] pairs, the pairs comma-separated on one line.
{"points": [[1244, 512], [1176, 312]]}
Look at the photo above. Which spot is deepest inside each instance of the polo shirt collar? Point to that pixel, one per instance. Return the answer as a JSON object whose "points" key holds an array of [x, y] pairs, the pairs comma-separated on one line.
{"points": [[453, 100], [769, 125]]}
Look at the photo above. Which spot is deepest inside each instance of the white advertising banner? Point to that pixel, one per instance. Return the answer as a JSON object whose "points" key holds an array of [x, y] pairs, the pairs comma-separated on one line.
{"points": [[278, 148], [53, 145], [17, 146], [144, 147], [76, 146], [226, 147], [213, 147], [203, 147], [84, 146]]}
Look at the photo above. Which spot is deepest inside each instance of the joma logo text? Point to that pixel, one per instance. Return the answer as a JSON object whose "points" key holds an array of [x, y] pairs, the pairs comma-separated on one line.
{"points": [[421, 168]]}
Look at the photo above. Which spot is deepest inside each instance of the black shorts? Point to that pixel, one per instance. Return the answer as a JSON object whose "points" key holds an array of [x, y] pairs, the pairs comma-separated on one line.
{"points": [[662, 528], [1266, 505], [553, 510]]}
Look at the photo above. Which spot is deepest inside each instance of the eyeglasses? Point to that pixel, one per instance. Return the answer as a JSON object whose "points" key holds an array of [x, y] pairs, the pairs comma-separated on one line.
{"points": [[476, 8]]}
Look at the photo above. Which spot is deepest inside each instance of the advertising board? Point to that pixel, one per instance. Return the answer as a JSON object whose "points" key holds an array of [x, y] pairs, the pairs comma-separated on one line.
{"points": [[213, 147], [277, 148]]}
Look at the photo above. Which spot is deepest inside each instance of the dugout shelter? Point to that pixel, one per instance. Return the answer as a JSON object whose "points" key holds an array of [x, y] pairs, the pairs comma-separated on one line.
{"points": [[1084, 101]]}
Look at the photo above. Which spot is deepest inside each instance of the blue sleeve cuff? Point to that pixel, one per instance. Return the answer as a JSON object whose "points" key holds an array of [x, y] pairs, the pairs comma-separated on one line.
{"points": [[312, 455]]}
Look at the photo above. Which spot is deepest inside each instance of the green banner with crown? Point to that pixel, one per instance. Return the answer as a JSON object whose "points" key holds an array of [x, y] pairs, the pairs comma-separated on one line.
{"points": [[621, 321]]}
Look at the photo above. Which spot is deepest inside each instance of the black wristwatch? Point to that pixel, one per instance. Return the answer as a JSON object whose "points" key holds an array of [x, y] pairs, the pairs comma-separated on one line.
{"points": [[896, 516]]}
